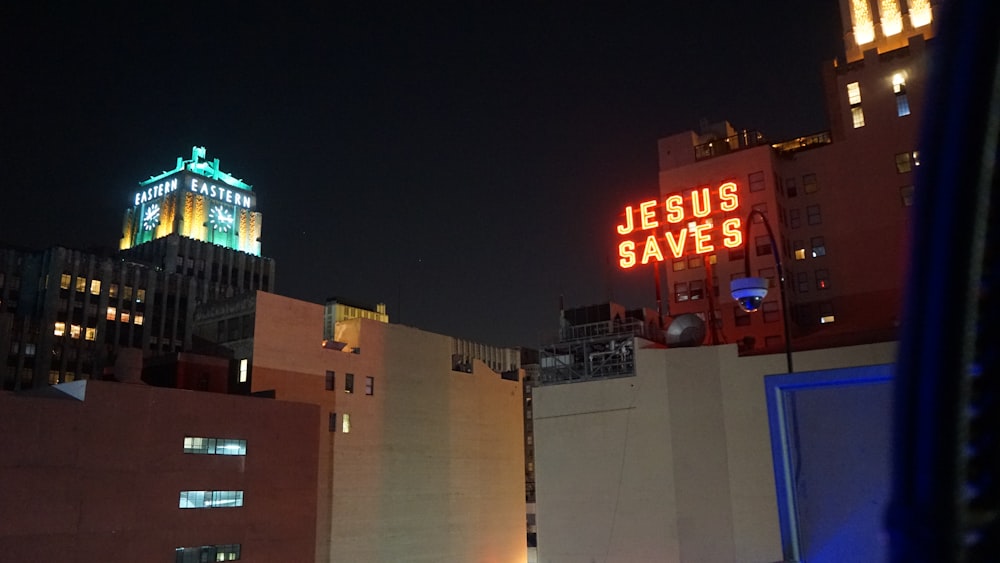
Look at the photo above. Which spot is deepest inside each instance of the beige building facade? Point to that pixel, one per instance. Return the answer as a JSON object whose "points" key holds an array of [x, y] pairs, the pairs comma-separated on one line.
{"points": [[672, 464], [417, 461]]}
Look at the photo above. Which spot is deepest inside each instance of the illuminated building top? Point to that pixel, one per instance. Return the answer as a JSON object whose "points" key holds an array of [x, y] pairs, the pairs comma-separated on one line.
{"points": [[881, 25], [197, 200]]}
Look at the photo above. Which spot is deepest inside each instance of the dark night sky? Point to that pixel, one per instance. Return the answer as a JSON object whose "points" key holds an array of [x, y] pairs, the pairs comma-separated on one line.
{"points": [[464, 165]]}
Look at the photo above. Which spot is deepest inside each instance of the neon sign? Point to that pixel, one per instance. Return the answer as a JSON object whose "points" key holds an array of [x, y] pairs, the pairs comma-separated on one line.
{"points": [[687, 225]]}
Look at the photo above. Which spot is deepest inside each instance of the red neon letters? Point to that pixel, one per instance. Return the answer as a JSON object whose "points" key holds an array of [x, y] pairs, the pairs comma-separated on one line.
{"points": [[698, 235]]}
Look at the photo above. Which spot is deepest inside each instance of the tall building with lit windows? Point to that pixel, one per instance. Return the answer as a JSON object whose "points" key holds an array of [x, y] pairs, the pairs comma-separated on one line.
{"points": [[191, 236], [837, 200]]}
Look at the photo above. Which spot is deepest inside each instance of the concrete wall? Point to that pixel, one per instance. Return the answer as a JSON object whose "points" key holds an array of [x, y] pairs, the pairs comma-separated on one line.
{"points": [[99, 479], [673, 464], [433, 466]]}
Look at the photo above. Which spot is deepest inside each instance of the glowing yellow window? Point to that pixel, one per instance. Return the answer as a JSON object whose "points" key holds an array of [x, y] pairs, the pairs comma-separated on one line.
{"points": [[74, 331], [90, 334], [346, 426], [112, 313], [113, 290], [854, 93], [64, 281], [81, 284], [95, 287], [826, 319], [137, 319], [126, 317], [800, 254], [60, 329], [140, 295]]}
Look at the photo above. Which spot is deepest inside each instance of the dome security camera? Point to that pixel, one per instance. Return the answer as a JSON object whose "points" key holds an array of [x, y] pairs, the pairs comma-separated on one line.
{"points": [[748, 292]]}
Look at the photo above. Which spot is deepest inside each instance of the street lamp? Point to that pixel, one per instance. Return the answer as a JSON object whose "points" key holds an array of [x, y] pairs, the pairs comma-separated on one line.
{"points": [[749, 292]]}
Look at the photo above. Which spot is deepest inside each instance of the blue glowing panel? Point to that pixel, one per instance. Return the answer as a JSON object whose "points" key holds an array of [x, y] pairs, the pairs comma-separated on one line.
{"points": [[831, 436]]}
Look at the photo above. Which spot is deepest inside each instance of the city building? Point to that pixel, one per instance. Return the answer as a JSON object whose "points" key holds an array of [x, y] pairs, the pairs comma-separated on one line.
{"points": [[65, 314], [837, 201], [421, 444], [107, 471]]}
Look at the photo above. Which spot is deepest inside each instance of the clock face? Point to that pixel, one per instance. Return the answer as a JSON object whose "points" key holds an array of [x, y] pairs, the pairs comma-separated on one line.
{"points": [[152, 217], [220, 219]]}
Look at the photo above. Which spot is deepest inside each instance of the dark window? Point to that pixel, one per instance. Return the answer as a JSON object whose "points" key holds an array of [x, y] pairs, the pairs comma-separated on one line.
{"points": [[771, 312], [809, 184], [813, 216], [790, 187], [802, 281], [756, 181], [906, 195], [736, 254], [904, 162], [763, 245], [679, 265], [370, 385], [349, 382], [794, 218], [742, 318], [333, 422], [330, 380], [695, 261]]}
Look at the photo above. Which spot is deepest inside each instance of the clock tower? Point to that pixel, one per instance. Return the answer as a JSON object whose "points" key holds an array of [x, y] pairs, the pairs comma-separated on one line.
{"points": [[197, 200]]}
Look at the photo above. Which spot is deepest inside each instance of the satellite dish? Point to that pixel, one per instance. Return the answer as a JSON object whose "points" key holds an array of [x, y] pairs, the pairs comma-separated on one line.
{"points": [[686, 330]]}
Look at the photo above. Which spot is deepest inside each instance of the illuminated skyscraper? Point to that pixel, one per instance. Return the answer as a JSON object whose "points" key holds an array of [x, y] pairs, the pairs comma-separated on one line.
{"points": [[191, 237]]}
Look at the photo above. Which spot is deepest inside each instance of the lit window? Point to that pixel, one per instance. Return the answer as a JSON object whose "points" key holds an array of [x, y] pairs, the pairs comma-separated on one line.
{"points": [[681, 291], [695, 261], [902, 101], [53, 377], [800, 254], [822, 279], [331, 380], [818, 247], [349, 383], [826, 313], [346, 423], [857, 117], [127, 293], [60, 329], [210, 499], [369, 385], [81, 284], [214, 446], [64, 281], [697, 289], [140, 295], [679, 265], [244, 365], [74, 331], [854, 93], [95, 287], [90, 334], [864, 25], [137, 319], [112, 313], [113, 290], [29, 349], [126, 317], [920, 13], [224, 552], [906, 195]]}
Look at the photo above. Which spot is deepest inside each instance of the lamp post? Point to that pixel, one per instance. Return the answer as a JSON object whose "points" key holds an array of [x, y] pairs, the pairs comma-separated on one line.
{"points": [[749, 292]]}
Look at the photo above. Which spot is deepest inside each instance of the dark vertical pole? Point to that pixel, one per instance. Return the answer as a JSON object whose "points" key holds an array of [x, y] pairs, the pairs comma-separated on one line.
{"points": [[946, 495]]}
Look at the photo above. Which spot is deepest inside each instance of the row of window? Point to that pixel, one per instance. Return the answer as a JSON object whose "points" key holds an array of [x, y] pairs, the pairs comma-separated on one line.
{"points": [[214, 446], [112, 315], [206, 553], [331, 383], [210, 499], [95, 288], [854, 100]]}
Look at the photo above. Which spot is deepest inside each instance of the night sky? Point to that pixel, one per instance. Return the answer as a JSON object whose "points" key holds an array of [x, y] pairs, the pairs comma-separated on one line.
{"points": [[464, 165]]}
